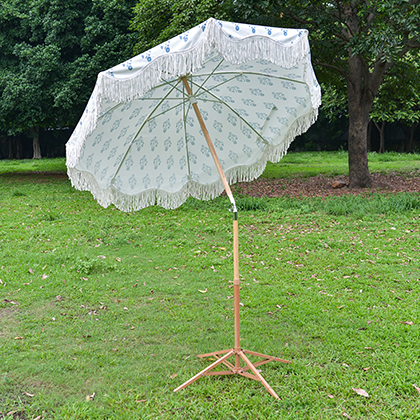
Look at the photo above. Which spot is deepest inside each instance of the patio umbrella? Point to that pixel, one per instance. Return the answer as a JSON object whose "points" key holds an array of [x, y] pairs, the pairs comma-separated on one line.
{"points": [[191, 116]]}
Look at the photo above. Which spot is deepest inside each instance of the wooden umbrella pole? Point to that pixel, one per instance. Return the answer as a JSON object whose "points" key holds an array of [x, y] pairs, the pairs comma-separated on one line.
{"points": [[236, 351], [236, 281]]}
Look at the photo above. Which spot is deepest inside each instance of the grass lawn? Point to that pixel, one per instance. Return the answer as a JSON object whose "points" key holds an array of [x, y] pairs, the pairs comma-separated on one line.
{"points": [[97, 301]]}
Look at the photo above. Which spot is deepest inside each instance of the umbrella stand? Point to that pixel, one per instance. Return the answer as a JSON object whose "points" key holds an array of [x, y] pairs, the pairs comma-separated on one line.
{"points": [[223, 355]]}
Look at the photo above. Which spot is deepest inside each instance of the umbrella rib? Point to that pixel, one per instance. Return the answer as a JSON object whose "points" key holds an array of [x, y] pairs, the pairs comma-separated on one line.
{"points": [[209, 75], [220, 84], [169, 109], [141, 128], [185, 133], [236, 113], [260, 74]]}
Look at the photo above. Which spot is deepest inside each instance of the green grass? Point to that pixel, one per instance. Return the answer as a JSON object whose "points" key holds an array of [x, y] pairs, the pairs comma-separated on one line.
{"points": [[306, 164], [97, 300]]}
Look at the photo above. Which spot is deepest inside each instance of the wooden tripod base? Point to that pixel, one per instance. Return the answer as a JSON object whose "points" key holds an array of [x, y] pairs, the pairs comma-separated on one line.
{"points": [[236, 369]]}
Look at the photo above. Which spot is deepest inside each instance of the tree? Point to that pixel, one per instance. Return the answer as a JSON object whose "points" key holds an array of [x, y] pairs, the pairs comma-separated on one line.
{"points": [[354, 43], [398, 99], [156, 21], [50, 54]]}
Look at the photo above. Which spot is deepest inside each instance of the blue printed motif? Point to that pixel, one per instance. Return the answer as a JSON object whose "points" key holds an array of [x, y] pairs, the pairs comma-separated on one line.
{"points": [[172, 180], [269, 105], [128, 140], [179, 126], [291, 111], [279, 95], [116, 125], [105, 146], [227, 99], [218, 126], [132, 181], [146, 181], [288, 85], [97, 166], [219, 144], [247, 150], [257, 92], [135, 113], [152, 125], [140, 121], [205, 151], [123, 132], [218, 108], [206, 169], [180, 144], [156, 162], [166, 47], [153, 143], [300, 100], [243, 79], [205, 115], [233, 138], [159, 181], [182, 162], [246, 131], [112, 153], [269, 70], [167, 144], [242, 112], [103, 173], [89, 160], [118, 182], [190, 139], [126, 106], [165, 106], [129, 163], [166, 126], [190, 121], [107, 118], [219, 78], [147, 56], [265, 81], [249, 102], [232, 119], [283, 120], [233, 156], [234, 89], [139, 143], [118, 160], [262, 115], [143, 162], [170, 162], [193, 158], [97, 140]]}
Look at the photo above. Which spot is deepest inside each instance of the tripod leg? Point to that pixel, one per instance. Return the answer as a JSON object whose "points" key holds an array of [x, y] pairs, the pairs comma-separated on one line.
{"points": [[204, 371], [258, 375]]}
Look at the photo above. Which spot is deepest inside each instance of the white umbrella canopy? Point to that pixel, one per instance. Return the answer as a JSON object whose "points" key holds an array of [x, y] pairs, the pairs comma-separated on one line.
{"points": [[138, 142], [190, 117]]}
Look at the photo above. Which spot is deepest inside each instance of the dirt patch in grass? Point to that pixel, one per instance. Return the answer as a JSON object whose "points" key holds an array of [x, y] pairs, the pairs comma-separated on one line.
{"points": [[322, 186]]}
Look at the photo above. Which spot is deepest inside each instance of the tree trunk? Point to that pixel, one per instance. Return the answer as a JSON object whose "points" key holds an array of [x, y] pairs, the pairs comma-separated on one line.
{"points": [[35, 143], [411, 138], [18, 147], [369, 137], [381, 129], [359, 104], [10, 148]]}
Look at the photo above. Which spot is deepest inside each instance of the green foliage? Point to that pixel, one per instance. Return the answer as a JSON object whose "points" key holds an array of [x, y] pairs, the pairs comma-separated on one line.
{"points": [[157, 21], [50, 55]]}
